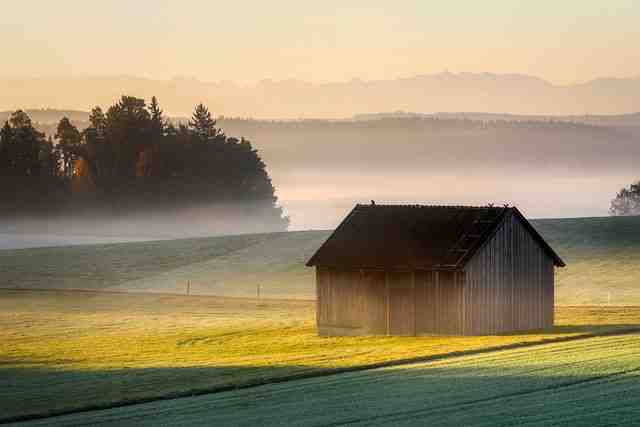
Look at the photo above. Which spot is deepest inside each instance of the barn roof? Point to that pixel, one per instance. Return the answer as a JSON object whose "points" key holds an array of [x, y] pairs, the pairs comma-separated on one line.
{"points": [[415, 236]]}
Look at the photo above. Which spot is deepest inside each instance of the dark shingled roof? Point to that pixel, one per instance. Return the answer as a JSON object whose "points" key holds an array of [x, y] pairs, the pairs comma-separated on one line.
{"points": [[415, 236]]}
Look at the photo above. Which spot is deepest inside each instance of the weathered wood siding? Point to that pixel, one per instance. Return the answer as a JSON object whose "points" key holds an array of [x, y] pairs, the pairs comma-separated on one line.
{"points": [[395, 303], [439, 302], [509, 284], [351, 302], [402, 306]]}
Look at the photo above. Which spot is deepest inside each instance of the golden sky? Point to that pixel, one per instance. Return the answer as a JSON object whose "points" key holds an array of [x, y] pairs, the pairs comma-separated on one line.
{"points": [[563, 41]]}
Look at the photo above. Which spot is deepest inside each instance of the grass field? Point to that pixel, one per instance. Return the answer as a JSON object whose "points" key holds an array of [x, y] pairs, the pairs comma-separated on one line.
{"points": [[63, 351], [593, 381], [226, 266], [603, 256]]}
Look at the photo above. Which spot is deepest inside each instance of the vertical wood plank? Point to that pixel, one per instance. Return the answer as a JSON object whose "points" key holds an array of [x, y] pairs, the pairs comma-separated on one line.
{"points": [[387, 305], [413, 298]]}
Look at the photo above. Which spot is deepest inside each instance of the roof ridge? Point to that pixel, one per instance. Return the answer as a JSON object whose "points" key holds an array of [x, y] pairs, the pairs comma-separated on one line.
{"points": [[418, 205]]}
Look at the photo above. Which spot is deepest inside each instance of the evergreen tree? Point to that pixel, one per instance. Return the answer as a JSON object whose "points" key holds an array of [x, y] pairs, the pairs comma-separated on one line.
{"points": [[69, 141], [98, 121], [128, 124], [157, 120], [24, 145], [20, 120], [6, 141], [202, 124]]}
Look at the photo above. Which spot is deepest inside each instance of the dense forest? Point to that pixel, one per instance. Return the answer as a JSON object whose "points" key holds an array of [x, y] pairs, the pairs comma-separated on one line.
{"points": [[131, 158]]}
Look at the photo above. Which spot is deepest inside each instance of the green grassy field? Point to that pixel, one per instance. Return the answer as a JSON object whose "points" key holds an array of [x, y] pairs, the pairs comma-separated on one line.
{"points": [[603, 256], [594, 381], [226, 266], [65, 351]]}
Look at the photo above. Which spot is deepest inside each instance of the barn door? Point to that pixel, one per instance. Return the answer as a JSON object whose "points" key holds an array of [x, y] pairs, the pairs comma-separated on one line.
{"points": [[401, 304]]}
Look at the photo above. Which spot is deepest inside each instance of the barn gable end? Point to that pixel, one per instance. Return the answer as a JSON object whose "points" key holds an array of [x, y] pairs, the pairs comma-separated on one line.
{"points": [[509, 281]]}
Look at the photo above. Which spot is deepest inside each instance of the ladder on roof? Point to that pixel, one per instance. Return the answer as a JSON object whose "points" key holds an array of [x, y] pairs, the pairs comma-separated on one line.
{"points": [[469, 238]]}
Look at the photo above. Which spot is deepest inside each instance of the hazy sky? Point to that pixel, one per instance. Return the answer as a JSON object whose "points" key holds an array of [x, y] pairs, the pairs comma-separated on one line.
{"points": [[563, 41]]}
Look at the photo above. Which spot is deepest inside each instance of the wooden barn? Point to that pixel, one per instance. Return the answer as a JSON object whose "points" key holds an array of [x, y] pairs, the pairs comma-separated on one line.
{"points": [[454, 270]]}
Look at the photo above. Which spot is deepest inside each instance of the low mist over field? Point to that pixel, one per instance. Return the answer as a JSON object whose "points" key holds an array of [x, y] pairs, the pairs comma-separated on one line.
{"points": [[92, 226], [562, 166]]}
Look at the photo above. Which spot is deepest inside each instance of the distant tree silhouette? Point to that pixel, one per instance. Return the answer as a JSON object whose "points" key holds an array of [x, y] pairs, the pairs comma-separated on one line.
{"points": [[69, 141], [627, 201], [20, 147], [202, 123], [158, 122], [98, 121], [132, 157], [6, 154], [30, 169], [51, 159]]}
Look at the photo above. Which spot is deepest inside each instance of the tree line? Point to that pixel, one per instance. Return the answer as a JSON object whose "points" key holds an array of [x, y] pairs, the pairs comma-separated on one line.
{"points": [[130, 156]]}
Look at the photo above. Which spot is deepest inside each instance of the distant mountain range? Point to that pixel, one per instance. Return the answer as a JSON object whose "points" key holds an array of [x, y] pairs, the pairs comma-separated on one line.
{"points": [[292, 99]]}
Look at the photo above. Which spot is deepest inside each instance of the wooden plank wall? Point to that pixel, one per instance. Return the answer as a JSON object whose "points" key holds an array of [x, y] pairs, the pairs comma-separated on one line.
{"points": [[439, 302], [394, 303], [402, 305], [509, 284], [350, 302]]}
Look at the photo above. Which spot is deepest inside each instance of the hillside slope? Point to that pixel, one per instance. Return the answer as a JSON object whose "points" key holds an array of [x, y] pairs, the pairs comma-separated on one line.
{"points": [[603, 257]]}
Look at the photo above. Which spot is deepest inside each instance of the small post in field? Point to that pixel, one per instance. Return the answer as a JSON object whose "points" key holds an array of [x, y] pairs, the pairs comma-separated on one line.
{"points": [[188, 287], [258, 291]]}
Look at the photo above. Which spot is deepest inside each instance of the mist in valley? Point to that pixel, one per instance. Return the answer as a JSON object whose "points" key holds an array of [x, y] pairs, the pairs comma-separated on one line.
{"points": [[95, 226], [549, 169], [568, 167]]}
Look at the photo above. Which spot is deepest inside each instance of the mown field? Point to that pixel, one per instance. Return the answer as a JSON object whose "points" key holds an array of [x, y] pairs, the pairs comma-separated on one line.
{"points": [[66, 351], [593, 381], [603, 257]]}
